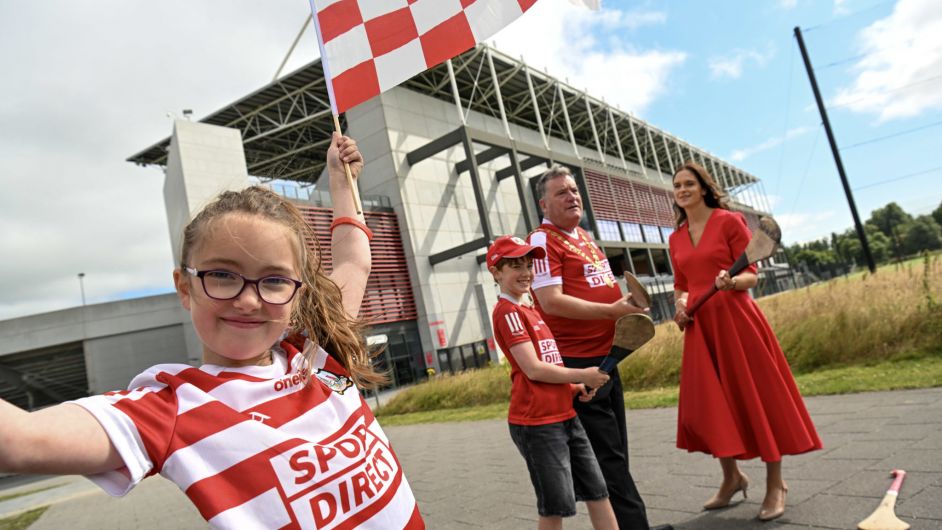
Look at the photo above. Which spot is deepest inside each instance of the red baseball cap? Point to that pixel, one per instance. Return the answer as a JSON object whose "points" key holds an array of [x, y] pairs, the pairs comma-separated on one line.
{"points": [[511, 247]]}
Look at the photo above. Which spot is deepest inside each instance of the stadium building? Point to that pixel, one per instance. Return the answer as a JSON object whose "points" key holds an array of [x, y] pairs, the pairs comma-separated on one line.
{"points": [[451, 161]]}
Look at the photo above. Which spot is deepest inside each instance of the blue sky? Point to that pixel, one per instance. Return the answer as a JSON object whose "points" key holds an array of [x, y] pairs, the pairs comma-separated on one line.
{"points": [[85, 85], [728, 77]]}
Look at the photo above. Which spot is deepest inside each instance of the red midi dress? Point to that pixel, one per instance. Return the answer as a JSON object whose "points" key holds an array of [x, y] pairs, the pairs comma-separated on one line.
{"points": [[737, 394]]}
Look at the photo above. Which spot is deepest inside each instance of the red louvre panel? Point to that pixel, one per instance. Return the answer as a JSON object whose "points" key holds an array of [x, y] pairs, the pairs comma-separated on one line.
{"points": [[600, 195], [665, 212], [646, 208], [627, 201], [389, 296]]}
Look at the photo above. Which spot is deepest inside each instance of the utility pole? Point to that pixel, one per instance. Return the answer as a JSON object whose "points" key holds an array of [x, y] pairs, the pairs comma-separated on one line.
{"points": [[837, 156]]}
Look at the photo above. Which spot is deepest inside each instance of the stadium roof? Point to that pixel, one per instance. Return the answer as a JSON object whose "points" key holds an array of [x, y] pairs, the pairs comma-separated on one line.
{"points": [[286, 125]]}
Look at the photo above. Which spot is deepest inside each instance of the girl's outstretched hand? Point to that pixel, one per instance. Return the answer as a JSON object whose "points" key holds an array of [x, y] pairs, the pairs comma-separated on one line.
{"points": [[343, 149]]}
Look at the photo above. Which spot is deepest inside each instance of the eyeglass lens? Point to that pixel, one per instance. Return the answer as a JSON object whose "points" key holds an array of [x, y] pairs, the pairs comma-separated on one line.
{"points": [[225, 285]]}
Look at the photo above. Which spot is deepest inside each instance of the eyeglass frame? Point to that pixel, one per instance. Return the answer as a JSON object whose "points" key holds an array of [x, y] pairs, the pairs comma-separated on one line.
{"points": [[201, 274]]}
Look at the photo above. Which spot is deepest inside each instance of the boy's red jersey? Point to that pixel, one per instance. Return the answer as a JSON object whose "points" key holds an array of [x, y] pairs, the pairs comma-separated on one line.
{"points": [[531, 402]]}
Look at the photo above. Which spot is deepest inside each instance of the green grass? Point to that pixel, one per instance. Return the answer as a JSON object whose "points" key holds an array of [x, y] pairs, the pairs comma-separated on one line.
{"points": [[23, 520], [25, 493], [863, 332], [921, 372]]}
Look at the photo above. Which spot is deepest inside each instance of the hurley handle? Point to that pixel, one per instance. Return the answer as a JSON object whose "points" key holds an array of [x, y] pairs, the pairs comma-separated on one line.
{"points": [[898, 483], [739, 266]]}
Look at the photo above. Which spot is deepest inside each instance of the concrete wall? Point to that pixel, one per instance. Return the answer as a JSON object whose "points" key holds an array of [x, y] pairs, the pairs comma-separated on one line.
{"points": [[111, 362], [203, 161], [120, 339], [436, 206]]}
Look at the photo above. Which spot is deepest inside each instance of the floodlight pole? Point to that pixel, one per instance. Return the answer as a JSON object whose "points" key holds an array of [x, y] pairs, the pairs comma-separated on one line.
{"points": [[81, 277], [837, 156]]}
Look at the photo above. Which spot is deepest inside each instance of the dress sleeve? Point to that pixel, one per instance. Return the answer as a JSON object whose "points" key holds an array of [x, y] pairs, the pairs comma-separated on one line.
{"points": [[680, 280], [737, 237], [140, 424]]}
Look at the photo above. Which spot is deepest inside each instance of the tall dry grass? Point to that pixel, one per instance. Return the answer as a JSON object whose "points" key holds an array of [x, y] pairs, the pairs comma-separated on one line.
{"points": [[860, 319]]}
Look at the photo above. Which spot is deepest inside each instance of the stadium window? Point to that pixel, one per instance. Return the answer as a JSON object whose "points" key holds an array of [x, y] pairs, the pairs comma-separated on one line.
{"points": [[666, 232], [661, 265], [632, 233], [639, 258], [651, 234], [616, 259], [608, 230]]}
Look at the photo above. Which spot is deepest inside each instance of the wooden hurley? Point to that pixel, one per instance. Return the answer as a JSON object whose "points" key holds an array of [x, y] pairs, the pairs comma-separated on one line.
{"points": [[884, 517], [639, 295], [762, 245], [631, 332]]}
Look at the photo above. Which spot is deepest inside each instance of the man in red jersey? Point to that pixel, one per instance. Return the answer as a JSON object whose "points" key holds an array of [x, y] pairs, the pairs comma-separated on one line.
{"points": [[577, 295]]}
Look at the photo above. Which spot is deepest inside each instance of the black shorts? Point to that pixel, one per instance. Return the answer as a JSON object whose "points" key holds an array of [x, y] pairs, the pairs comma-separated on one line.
{"points": [[562, 466]]}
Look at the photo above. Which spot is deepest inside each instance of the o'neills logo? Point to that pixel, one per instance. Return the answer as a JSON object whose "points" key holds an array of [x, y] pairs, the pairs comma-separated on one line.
{"points": [[287, 382], [326, 485], [336, 382]]}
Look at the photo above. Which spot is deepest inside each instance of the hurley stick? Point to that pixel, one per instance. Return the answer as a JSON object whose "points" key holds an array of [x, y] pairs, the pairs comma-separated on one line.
{"points": [[884, 517], [762, 245]]}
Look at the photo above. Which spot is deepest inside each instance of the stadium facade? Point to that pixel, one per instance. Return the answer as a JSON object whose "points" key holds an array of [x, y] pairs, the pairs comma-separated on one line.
{"points": [[451, 160]]}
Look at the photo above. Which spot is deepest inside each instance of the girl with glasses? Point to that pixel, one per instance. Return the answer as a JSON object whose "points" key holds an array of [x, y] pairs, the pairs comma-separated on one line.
{"points": [[270, 431]]}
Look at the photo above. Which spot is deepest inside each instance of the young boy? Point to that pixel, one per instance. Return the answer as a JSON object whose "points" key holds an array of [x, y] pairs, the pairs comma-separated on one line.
{"points": [[543, 424]]}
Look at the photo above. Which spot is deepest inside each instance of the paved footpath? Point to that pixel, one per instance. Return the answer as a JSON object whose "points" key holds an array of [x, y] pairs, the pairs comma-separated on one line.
{"points": [[469, 475]]}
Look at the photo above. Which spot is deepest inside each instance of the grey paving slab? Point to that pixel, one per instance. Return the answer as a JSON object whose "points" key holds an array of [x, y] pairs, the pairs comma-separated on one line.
{"points": [[470, 476]]}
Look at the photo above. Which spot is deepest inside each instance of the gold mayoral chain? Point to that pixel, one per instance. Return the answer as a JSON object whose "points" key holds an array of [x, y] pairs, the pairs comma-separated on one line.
{"points": [[594, 261]]}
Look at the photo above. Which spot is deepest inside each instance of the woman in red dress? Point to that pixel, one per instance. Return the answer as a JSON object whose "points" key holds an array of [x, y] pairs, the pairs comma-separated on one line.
{"points": [[738, 399]]}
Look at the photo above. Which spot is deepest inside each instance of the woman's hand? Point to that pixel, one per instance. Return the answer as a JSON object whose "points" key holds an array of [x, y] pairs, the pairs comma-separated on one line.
{"points": [[680, 316], [723, 282]]}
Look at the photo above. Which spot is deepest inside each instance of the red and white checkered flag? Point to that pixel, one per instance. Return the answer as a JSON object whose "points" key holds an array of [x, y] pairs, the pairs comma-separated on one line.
{"points": [[368, 46]]}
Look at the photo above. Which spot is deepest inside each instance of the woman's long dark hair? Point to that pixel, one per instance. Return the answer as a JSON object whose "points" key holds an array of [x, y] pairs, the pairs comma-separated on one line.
{"points": [[714, 198]]}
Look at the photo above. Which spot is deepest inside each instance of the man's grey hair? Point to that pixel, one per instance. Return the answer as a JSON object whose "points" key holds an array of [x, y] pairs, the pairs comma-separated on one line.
{"points": [[554, 172]]}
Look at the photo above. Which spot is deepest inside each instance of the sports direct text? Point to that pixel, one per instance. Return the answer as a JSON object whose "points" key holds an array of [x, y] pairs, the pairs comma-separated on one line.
{"points": [[327, 484]]}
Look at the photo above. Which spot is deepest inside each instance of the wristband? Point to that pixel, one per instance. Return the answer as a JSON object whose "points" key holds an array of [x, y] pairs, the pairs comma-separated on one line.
{"points": [[355, 222]]}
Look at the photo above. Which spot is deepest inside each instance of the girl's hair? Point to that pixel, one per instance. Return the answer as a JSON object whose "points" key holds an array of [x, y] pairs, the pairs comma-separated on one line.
{"points": [[714, 198], [319, 312]]}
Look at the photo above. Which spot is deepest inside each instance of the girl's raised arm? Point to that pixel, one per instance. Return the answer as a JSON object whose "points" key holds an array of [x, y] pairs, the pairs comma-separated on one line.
{"points": [[349, 243], [63, 440]]}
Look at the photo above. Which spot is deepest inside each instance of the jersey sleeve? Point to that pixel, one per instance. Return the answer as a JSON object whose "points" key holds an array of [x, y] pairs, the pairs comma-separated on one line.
{"points": [[139, 423], [737, 237], [549, 270], [509, 326], [680, 280]]}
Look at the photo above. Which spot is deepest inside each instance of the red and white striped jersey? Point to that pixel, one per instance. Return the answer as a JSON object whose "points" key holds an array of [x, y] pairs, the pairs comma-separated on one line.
{"points": [[531, 402], [256, 447]]}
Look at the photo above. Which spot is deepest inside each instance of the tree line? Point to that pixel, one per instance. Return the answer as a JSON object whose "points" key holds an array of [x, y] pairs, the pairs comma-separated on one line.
{"points": [[892, 235]]}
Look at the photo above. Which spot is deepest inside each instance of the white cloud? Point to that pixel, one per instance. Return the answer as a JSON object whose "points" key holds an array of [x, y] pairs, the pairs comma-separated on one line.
{"points": [[592, 47], [82, 89], [900, 74], [787, 4], [732, 65], [804, 226], [739, 155], [840, 7]]}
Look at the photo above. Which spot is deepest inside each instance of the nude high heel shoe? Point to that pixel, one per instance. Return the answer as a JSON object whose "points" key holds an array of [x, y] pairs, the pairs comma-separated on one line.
{"points": [[721, 501], [767, 514]]}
